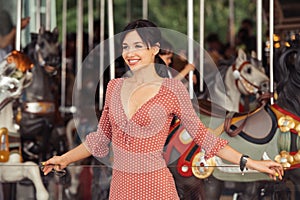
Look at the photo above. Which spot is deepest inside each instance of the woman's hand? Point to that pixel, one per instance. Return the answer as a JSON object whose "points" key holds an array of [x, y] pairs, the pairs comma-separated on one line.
{"points": [[25, 22], [273, 169], [56, 164]]}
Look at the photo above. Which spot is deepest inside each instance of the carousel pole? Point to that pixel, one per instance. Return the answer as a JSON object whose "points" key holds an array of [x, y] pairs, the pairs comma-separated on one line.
{"points": [[64, 59], [271, 34], [128, 10], [111, 39], [231, 23], [145, 9], [18, 25], [91, 24], [38, 15], [190, 33], [201, 41], [79, 43], [101, 67], [259, 29], [48, 14]]}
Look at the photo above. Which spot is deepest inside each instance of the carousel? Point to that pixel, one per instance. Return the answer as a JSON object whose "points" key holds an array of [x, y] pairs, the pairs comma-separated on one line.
{"points": [[52, 86]]}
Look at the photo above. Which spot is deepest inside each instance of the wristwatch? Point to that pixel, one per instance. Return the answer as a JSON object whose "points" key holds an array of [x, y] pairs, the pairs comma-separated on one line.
{"points": [[243, 162]]}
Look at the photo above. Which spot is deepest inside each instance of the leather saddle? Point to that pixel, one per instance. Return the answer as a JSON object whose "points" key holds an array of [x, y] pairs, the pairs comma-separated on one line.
{"points": [[257, 126]]}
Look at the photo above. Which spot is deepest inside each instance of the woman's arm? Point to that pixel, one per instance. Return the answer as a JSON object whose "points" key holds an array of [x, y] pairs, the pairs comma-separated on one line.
{"points": [[8, 39], [266, 166], [60, 162], [185, 71]]}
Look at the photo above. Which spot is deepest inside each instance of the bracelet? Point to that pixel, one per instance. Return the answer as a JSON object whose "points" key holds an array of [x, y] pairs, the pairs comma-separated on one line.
{"points": [[243, 162]]}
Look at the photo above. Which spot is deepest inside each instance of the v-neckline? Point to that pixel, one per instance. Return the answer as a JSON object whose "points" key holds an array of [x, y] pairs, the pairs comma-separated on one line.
{"points": [[140, 107]]}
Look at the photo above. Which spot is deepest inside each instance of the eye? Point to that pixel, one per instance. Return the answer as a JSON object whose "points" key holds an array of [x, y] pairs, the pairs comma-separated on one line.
{"points": [[125, 47], [139, 46], [248, 70], [42, 44]]}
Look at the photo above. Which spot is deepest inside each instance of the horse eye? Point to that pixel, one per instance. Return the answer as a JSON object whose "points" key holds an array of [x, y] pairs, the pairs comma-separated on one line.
{"points": [[249, 70], [42, 44]]}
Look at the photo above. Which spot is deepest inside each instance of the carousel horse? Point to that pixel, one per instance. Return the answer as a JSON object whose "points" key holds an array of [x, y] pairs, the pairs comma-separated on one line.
{"points": [[243, 78], [41, 136], [15, 75], [268, 132]]}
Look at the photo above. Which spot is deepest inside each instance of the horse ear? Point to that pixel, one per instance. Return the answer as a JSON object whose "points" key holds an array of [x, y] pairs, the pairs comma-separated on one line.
{"points": [[55, 31], [42, 30], [241, 55], [253, 54]]}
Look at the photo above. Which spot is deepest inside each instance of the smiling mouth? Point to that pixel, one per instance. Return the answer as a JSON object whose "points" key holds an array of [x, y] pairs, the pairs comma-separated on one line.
{"points": [[132, 62]]}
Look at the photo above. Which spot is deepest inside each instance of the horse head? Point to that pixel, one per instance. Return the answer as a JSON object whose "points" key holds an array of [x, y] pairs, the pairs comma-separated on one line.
{"points": [[244, 77], [45, 50], [15, 75], [249, 77]]}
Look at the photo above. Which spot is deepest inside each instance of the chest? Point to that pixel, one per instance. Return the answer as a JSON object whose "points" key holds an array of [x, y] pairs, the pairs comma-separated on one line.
{"points": [[133, 98]]}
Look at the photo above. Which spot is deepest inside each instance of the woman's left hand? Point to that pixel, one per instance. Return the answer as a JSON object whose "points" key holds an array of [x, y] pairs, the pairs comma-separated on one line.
{"points": [[273, 169]]}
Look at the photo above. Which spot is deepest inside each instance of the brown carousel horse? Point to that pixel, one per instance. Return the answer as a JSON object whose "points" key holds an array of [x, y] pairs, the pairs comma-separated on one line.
{"points": [[15, 75], [264, 133]]}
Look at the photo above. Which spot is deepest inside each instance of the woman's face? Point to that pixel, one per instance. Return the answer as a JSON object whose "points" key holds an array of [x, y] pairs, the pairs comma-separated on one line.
{"points": [[136, 53]]}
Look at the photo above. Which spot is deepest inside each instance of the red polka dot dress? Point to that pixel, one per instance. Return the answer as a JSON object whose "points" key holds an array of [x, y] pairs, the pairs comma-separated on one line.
{"points": [[139, 169]]}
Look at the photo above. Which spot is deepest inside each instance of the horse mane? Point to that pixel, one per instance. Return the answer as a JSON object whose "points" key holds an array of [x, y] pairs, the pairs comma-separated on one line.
{"points": [[29, 49], [288, 70]]}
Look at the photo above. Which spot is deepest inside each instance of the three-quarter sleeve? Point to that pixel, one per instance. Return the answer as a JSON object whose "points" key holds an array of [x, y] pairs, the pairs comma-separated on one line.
{"points": [[184, 110], [98, 142]]}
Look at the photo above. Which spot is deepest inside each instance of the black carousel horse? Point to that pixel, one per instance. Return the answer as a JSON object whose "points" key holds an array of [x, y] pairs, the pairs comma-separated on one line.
{"points": [[268, 132], [40, 134]]}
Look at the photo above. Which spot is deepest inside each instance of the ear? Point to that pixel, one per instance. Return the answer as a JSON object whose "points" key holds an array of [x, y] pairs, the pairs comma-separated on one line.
{"points": [[156, 48], [241, 56], [253, 54], [55, 31], [42, 30]]}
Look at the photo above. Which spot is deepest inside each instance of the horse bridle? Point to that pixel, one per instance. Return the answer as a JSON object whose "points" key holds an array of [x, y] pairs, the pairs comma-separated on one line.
{"points": [[242, 79], [41, 60]]}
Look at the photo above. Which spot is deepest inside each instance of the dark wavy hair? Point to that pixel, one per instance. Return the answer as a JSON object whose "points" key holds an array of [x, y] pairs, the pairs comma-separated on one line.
{"points": [[147, 30]]}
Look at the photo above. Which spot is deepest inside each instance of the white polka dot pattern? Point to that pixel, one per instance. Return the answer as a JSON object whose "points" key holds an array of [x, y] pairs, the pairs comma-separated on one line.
{"points": [[139, 170]]}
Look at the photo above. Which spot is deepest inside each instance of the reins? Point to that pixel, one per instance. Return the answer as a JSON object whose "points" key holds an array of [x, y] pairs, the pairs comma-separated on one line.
{"points": [[238, 76]]}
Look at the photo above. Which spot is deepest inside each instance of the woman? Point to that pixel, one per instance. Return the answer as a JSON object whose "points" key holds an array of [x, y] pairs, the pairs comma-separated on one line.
{"points": [[136, 118]]}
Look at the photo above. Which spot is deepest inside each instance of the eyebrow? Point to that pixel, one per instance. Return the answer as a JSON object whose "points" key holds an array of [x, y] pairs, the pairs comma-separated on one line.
{"points": [[124, 43]]}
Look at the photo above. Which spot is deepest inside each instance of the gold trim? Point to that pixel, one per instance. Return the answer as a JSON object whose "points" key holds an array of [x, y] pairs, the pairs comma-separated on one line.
{"points": [[286, 122], [202, 168]]}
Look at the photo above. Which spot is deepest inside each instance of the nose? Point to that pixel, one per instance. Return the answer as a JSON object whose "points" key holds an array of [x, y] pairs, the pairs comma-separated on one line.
{"points": [[264, 86]]}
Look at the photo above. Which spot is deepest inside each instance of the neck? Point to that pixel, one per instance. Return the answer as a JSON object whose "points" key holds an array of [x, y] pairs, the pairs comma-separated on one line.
{"points": [[145, 74]]}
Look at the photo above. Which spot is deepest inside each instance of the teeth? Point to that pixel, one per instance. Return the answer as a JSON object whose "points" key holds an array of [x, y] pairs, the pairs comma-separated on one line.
{"points": [[133, 61]]}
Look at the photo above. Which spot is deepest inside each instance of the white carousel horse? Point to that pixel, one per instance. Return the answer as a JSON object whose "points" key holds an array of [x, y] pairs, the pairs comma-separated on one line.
{"points": [[268, 132], [244, 77], [14, 76]]}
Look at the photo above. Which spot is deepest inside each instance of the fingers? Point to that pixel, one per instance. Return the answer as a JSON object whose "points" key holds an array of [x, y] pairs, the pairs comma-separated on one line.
{"points": [[25, 22], [51, 164], [277, 172], [46, 168]]}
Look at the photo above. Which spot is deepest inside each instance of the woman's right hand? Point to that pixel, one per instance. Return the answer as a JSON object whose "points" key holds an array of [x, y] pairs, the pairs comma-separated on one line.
{"points": [[55, 163]]}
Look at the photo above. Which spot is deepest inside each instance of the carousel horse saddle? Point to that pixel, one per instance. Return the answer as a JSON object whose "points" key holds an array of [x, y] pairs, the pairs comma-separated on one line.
{"points": [[257, 126], [39, 107]]}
